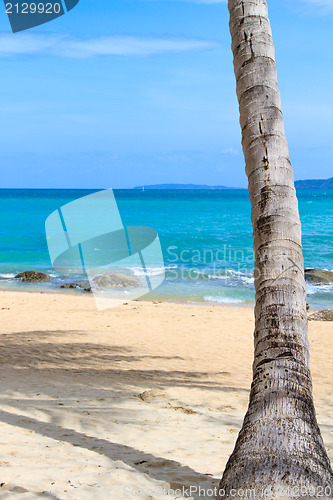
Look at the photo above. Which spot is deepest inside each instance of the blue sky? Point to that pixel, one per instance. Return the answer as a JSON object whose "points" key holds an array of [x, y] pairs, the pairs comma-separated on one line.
{"points": [[131, 92]]}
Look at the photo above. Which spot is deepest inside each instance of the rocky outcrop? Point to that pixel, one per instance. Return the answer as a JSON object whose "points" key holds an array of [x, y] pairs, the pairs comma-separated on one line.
{"points": [[80, 284], [318, 276], [324, 315], [69, 285], [33, 277], [116, 281]]}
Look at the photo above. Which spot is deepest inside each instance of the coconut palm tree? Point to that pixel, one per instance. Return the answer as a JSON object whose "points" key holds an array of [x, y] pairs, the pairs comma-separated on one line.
{"points": [[279, 448]]}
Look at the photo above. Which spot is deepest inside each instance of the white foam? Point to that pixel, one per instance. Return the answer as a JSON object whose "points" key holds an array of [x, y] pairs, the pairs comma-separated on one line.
{"points": [[7, 275], [248, 280], [222, 300], [320, 288], [230, 274], [215, 277], [150, 271]]}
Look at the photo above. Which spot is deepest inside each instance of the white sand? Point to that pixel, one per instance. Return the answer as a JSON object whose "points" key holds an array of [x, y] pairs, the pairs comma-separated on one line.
{"points": [[72, 423]]}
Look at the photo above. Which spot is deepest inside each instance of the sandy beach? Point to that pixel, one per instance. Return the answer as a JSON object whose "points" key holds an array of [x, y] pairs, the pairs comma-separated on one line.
{"points": [[140, 401]]}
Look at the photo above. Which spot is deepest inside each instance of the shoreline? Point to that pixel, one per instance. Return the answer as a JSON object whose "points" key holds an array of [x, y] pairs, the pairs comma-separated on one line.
{"points": [[20, 289], [81, 293], [232, 291]]}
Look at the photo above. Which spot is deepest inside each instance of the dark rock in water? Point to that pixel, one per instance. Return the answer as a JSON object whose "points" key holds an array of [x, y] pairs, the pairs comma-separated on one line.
{"points": [[79, 284], [33, 277], [117, 281], [69, 285], [318, 276], [106, 281], [84, 284], [324, 315]]}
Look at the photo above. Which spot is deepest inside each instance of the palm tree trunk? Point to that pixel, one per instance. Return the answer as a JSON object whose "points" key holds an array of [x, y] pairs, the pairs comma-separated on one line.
{"points": [[279, 449]]}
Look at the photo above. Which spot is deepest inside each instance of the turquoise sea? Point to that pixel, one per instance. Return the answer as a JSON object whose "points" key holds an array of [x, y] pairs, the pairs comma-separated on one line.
{"points": [[206, 238]]}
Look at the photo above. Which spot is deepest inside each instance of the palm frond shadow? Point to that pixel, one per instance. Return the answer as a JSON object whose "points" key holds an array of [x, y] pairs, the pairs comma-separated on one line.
{"points": [[96, 361], [155, 467], [100, 372]]}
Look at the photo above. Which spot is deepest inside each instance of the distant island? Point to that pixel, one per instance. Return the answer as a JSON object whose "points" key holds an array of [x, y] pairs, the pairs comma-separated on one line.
{"points": [[182, 186], [315, 184], [304, 184]]}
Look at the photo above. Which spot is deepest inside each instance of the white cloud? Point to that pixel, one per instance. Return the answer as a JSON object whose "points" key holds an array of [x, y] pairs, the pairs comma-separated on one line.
{"points": [[191, 1], [65, 46], [200, 1], [211, 2], [232, 151], [314, 8], [322, 4]]}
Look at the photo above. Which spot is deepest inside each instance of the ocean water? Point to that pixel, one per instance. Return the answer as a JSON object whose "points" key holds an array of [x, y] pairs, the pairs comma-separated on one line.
{"points": [[206, 237]]}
